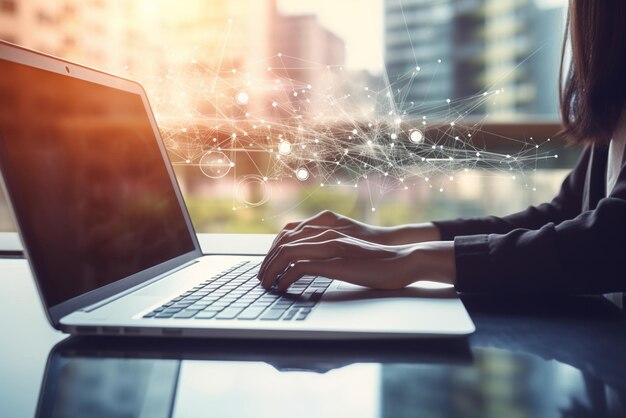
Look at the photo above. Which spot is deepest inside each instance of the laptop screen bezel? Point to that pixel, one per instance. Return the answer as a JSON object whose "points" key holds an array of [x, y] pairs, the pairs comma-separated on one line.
{"points": [[19, 55]]}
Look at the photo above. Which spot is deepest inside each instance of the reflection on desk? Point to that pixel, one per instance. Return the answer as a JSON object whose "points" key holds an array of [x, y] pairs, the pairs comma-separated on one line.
{"points": [[439, 378], [530, 357]]}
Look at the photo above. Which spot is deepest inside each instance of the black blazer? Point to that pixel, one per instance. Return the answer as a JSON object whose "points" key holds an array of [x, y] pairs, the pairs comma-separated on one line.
{"points": [[573, 244]]}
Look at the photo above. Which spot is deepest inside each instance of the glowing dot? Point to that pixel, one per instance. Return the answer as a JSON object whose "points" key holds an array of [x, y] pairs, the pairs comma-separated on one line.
{"points": [[274, 104], [373, 209], [416, 136], [302, 174], [242, 97], [556, 156], [394, 136], [284, 148], [439, 61], [280, 54], [451, 123], [448, 101], [441, 190], [354, 132], [418, 68]]}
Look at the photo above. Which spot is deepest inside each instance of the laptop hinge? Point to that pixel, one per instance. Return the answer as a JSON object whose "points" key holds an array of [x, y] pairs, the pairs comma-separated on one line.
{"points": [[117, 296]]}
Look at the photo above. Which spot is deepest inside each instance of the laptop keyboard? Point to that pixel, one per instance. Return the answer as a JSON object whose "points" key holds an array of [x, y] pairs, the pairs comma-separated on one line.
{"points": [[236, 293]]}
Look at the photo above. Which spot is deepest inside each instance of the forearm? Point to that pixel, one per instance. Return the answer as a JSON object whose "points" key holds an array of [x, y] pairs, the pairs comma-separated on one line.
{"points": [[410, 234]]}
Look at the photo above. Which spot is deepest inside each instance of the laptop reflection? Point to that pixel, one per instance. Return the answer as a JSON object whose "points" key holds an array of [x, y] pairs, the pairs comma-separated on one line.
{"points": [[109, 377]]}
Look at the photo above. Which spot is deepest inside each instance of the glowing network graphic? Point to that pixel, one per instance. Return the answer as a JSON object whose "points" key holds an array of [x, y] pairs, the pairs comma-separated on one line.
{"points": [[258, 126]]}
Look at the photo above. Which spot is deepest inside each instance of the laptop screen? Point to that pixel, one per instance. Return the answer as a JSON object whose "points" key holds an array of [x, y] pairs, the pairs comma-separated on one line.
{"points": [[87, 179]]}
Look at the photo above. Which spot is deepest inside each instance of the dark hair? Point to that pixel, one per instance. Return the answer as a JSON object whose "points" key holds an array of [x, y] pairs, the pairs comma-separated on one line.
{"points": [[593, 94]]}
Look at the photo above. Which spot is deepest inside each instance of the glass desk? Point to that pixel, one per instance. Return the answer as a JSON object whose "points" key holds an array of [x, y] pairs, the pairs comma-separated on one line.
{"points": [[530, 357]]}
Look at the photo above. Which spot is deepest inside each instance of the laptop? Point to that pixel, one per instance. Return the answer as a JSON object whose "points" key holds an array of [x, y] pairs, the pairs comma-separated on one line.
{"points": [[111, 245]]}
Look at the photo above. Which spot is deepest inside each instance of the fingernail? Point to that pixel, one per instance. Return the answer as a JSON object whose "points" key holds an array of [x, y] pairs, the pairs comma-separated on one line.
{"points": [[276, 282]]}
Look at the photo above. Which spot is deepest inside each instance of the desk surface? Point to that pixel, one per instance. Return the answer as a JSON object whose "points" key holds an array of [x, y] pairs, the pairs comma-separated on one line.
{"points": [[530, 357]]}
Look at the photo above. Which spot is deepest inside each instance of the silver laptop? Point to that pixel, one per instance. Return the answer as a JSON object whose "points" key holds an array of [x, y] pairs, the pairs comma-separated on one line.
{"points": [[111, 245]]}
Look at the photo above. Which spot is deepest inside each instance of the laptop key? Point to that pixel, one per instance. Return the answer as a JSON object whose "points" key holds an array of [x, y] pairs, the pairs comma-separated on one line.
{"points": [[251, 313], [185, 314], [206, 315], [272, 315], [229, 313], [290, 315]]}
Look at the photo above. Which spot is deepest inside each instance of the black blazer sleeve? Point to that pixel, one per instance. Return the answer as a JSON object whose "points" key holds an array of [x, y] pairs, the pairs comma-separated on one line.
{"points": [[566, 205], [582, 255]]}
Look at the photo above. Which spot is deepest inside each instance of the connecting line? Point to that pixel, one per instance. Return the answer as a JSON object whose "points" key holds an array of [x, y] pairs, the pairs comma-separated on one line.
{"points": [[339, 132], [219, 64]]}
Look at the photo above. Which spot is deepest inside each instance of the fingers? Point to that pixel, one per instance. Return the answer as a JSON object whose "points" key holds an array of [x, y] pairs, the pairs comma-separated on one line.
{"points": [[372, 273], [325, 218], [286, 237], [319, 248], [325, 235]]}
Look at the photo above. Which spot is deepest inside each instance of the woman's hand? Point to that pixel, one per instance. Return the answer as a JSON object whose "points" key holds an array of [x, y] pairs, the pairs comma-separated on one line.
{"points": [[336, 255], [327, 220]]}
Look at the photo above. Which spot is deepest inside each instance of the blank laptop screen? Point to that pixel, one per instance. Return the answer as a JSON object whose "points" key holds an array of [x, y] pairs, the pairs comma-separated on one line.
{"points": [[87, 180]]}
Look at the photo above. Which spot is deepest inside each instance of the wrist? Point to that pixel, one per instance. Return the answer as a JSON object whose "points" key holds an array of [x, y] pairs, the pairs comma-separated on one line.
{"points": [[435, 261], [410, 234]]}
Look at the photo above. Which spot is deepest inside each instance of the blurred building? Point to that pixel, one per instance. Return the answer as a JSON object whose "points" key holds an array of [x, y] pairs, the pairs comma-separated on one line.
{"points": [[457, 49], [305, 46], [107, 35], [310, 57], [189, 54]]}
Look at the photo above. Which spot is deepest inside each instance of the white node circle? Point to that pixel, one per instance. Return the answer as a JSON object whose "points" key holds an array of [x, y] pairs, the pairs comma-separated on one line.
{"points": [[284, 148], [253, 190], [416, 136], [215, 164], [242, 98], [302, 174]]}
